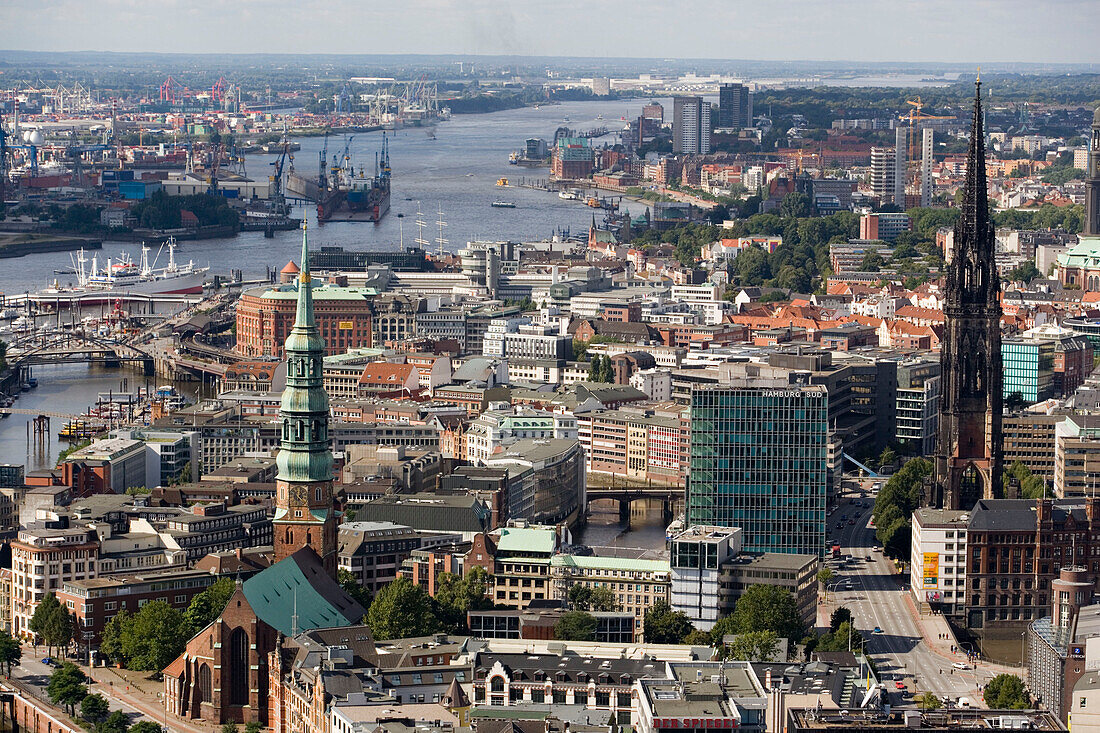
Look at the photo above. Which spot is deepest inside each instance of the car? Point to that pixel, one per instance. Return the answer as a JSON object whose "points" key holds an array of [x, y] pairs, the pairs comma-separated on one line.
{"points": [[877, 630], [839, 525], [899, 685], [843, 517], [960, 665], [869, 559], [851, 521]]}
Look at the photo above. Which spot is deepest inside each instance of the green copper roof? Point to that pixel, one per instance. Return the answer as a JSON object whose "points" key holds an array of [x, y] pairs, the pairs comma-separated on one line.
{"points": [[526, 539], [296, 595], [305, 454]]}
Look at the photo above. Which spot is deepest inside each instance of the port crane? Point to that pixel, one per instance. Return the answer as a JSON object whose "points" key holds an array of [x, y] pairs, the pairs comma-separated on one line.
{"points": [[343, 101], [322, 178], [172, 91], [217, 92], [277, 197]]}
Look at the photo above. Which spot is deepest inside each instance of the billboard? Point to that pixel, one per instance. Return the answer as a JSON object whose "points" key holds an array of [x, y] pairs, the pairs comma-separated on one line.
{"points": [[347, 325], [931, 569]]}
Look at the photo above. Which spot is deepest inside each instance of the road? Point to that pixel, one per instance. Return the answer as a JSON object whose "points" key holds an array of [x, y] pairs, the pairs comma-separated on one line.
{"points": [[878, 599]]}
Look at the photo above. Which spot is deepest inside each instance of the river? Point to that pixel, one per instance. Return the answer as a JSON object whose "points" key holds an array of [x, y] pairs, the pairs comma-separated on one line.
{"points": [[430, 172]]}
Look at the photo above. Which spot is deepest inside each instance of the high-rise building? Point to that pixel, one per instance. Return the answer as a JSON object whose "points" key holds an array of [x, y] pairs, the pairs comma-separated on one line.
{"points": [[758, 461], [882, 173], [926, 167], [304, 511], [968, 453], [901, 159], [734, 106], [691, 125]]}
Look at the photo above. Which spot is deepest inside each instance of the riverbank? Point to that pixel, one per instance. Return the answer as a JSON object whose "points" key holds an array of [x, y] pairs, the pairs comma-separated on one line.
{"points": [[20, 244]]}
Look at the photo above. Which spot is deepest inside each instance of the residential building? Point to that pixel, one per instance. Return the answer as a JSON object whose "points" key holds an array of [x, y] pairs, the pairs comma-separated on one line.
{"points": [[538, 621], [637, 443], [758, 461], [44, 556], [884, 226], [495, 430], [374, 551], [655, 382], [795, 573], [734, 106], [691, 125]]}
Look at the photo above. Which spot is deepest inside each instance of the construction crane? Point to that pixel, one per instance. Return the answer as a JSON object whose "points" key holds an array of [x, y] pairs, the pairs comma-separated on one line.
{"points": [[915, 116]]}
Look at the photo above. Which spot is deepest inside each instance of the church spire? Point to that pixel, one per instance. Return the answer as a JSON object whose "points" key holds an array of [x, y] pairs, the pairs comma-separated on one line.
{"points": [[975, 207]]}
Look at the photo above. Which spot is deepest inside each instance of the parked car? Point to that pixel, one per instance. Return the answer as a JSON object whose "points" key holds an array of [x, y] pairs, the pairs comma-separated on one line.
{"points": [[877, 630]]}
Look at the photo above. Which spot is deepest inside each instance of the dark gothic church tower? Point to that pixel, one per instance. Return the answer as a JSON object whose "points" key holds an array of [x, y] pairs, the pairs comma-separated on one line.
{"points": [[968, 453]]}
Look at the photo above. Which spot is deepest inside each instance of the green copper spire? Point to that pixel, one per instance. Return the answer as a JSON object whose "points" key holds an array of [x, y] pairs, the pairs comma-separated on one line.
{"points": [[305, 454]]}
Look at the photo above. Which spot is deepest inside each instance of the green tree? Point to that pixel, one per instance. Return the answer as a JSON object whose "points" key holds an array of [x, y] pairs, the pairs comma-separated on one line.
{"points": [[887, 458], [456, 595], [110, 644], [94, 708], [400, 610], [755, 646], [594, 369], [208, 605], [929, 701], [841, 615], [872, 261], [662, 625], [795, 205], [824, 576], [768, 608], [580, 350], [580, 596], [145, 726], [1006, 692], [603, 599], [116, 722], [253, 727], [576, 626], [44, 615], [10, 652], [66, 687], [230, 728], [154, 636], [843, 639], [353, 587], [1025, 273]]}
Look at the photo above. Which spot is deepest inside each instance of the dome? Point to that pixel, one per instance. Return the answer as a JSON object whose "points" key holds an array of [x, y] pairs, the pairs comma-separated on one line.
{"points": [[290, 269]]}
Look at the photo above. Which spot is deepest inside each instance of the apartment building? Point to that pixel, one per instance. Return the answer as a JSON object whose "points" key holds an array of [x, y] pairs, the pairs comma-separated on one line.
{"points": [[637, 444], [44, 556], [637, 583]]}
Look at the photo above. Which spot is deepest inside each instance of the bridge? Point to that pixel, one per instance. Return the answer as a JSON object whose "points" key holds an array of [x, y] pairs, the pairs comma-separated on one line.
{"points": [[625, 494], [75, 347]]}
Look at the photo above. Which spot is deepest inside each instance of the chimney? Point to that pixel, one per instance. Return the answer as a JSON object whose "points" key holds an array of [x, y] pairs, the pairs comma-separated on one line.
{"points": [[1092, 509], [239, 553], [768, 679]]}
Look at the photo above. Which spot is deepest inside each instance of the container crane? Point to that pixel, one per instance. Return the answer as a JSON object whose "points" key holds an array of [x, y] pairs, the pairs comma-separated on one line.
{"points": [[172, 91], [343, 101], [217, 92]]}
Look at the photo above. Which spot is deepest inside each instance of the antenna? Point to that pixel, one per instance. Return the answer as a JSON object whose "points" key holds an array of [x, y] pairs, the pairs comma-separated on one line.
{"points": [[294, 618]]}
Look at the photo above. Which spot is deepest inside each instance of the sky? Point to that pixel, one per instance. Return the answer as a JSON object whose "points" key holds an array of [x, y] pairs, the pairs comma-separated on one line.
{"points": [[951, 31]]}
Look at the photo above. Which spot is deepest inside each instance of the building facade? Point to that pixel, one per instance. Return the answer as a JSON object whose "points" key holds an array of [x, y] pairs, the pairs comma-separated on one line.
{"points": [[691, 125], [758, 461]]}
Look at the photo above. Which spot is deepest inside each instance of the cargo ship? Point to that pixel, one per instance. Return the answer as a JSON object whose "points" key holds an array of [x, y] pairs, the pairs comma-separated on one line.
{"points": [[349, 194]]}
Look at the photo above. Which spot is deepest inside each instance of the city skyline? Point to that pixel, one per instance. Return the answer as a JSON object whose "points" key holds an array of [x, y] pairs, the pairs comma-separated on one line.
{"points": [[979, 31]]}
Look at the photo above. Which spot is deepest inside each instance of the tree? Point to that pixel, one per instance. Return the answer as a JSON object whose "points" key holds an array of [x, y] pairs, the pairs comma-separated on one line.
{"points": [[1006, 692], [603, 599], [253, 727], [353, 587], [580, 596], [824, 576], [795, 205], [872, 262], [154, 636], [110, 644], [66, 686], [400, 610], [929, 701], [843, 639], [841, 615], [10, 652], [768, 608], [208, 605], [230, 728], [662, 625], [456, 595], [887, 458], [755, 646], [576, 626], [94, 708], [44, 614], [116, 722], [145, 726], [1025, 273]]}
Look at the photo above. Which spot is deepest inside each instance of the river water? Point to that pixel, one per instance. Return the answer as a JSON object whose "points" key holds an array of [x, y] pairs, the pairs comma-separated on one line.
{"points": [[456, 172]]}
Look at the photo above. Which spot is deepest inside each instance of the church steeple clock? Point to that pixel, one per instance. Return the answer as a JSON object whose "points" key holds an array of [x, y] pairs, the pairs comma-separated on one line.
{"points": [[304, 511]]}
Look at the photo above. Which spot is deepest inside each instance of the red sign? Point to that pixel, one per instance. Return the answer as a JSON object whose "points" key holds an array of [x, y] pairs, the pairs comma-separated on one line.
{"points": [[693, 723]]}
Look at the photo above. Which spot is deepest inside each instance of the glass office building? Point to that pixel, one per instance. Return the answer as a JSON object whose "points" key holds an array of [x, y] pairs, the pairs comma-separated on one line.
{"points": [[1028, 368], [759, 462]]}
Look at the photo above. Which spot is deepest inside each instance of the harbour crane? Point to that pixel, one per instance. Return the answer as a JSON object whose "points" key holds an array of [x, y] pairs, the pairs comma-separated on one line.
{"points": [[322, 178], [172, 91], [278, 198], [217, 92], [343, 101]]}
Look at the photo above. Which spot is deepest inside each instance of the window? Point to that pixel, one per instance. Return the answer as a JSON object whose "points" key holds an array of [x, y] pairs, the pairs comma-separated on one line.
{"points": [[239, 683], [205, 686]]}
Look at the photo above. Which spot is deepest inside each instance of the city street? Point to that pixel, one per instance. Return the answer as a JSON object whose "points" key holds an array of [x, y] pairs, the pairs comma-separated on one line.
{"points": [[907, 648]]}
